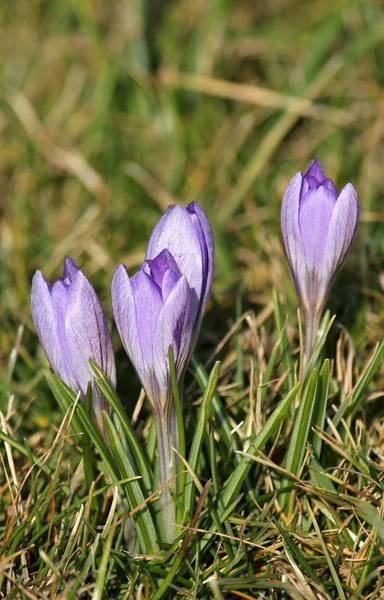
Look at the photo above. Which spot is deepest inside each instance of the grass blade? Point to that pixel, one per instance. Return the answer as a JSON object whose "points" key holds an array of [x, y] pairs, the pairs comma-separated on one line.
{"points": [[299, 436], [114, 401], [298, 439], [285, 349], [200, 430], [234, 482], [351, 405], [144, 524], [320, 409], [68, 398]]}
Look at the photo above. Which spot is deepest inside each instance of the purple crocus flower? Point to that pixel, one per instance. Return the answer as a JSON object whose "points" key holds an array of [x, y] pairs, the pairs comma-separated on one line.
{"points": [[187, 234], [163, 304], [71, 326], [160, 307], [155, 309], [318, 227]]}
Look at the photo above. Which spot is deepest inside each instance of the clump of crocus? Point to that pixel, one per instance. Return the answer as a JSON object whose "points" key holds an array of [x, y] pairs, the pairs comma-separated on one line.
{"points": [[318, 227], [160, 307], [71, 326]]}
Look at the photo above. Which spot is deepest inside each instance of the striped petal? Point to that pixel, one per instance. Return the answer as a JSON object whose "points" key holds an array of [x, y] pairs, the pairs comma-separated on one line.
{"points": [[45, 321], [174, 328], [124, 312], [205, 235], [290, 229], [342, 229], [87, 333], [176, 232]]}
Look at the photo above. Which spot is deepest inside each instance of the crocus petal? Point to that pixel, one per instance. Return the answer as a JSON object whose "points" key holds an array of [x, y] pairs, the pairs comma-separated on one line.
{"points": [[124, 312], [174, 328], [158, 266], [70, 268], [328, 183], [44, 318], [315, 172], [340, 234], [87, 333], [204, 231], [315, 213], [148, 303], [342, 228], [169, 281], [175, 231], [59, 299], [291, 232]]}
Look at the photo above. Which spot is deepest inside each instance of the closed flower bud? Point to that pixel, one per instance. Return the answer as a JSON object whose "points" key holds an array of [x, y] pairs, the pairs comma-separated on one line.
{"points": [[318, 227], [155, 309], [71, 326], [186, 233], [163, 304]]}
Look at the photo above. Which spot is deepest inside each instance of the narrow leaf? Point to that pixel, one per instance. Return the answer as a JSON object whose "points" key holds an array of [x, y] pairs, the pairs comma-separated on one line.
{"points": [[234, 482], [143, 521], [351, 404], [285, 349], [201, 425], [112, 398], [301, 428], [320, 408]]}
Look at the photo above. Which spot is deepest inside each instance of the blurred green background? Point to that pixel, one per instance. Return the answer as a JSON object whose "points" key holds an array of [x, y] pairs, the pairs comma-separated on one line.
{"points": [[111, 111]]}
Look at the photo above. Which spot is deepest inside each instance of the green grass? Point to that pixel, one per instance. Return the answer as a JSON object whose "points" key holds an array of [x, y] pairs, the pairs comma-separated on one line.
{"points": [[108, 113]]}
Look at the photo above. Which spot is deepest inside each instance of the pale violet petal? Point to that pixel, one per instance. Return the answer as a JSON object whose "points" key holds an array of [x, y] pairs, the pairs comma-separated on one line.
{"points": [[124, 312], [174, 328], [148, 303], [158, 266], [87, 332], [204, 232], [315, 172], [291, 235], [44, 318], [316, 208], [169, 281], [341, 231], [342, 228], [70, 268]]}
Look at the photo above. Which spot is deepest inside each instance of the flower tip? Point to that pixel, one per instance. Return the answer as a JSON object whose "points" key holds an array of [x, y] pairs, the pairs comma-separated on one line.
{"points": [[315, 162], [191, 208], [315, 170], [195, 208], [120, 269], [70, 269], [37, 275], [39, 279], [119, 277], [350, 189]]}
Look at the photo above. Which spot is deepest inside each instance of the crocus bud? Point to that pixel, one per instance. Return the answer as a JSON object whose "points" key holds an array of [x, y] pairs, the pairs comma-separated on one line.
{"points": [[155, 309], [318, 227], [71, 326]]}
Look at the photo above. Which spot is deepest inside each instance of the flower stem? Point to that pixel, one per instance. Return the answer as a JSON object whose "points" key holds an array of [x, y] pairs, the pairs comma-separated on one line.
{"points": [[166, 472], [311, 327]]}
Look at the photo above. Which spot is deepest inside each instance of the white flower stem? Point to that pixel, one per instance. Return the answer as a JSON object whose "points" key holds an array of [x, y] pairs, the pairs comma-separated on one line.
{"points": [[174, 431], [311, 328], [166, 472]]}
